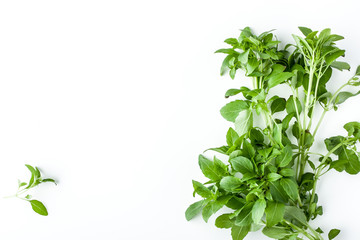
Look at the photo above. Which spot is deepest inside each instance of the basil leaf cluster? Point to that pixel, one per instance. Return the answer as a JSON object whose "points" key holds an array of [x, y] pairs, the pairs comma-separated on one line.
{"points": [[270, 175]]}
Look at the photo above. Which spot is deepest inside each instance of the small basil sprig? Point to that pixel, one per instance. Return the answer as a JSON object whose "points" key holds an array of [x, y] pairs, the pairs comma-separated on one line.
{"points": [[23, 188]]}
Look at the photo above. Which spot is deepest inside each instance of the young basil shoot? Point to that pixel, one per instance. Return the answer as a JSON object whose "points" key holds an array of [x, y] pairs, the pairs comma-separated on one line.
{"points": [[23, 188], [270, 177]]}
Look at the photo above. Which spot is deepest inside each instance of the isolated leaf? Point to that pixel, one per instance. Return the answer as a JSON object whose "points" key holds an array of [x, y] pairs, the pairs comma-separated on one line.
{"points": [[38, 207], [274, 213]]}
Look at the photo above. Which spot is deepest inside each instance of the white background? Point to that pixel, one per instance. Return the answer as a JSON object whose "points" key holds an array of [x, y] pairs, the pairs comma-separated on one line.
{"points": [[115, 100]]}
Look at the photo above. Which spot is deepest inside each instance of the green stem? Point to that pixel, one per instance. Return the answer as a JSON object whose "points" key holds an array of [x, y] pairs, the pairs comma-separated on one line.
{"points": [[308, 235], [320, 168], [318, 235], [308, 94], [336, 93], [319, 122]]}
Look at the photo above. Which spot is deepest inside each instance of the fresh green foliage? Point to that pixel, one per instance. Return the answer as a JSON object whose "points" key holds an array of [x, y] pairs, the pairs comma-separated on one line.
{"points": [[35, 180], [269, 178]]}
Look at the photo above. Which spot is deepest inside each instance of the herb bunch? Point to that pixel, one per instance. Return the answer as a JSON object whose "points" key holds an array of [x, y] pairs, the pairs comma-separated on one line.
{"points": [[23, 188], [270, 177]]}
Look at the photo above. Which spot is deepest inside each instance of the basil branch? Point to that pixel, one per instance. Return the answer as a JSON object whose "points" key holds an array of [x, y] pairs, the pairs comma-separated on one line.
{"points": [[270, 175]]}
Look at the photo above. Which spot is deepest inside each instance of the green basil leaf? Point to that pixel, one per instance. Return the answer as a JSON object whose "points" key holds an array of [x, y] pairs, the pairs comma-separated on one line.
{"points": [[278, 193], [274, 213], [290, 105], [231, 137], [224, 221], [208, 168], [290, 187], [239, 232], [279, 78], [201, 190], [258, 210], [333, 233], [333, 56], [272, 177], [343, 96], [245, 216], [340, 65], [286, 156], [278, 105], [306, 31], [194, 209], [231, 184], [276, 232], [357, 73], [244, 122], [210, 209], [294, 213], [242, 164], [353, 128], [231, 110], [38, 207]]}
